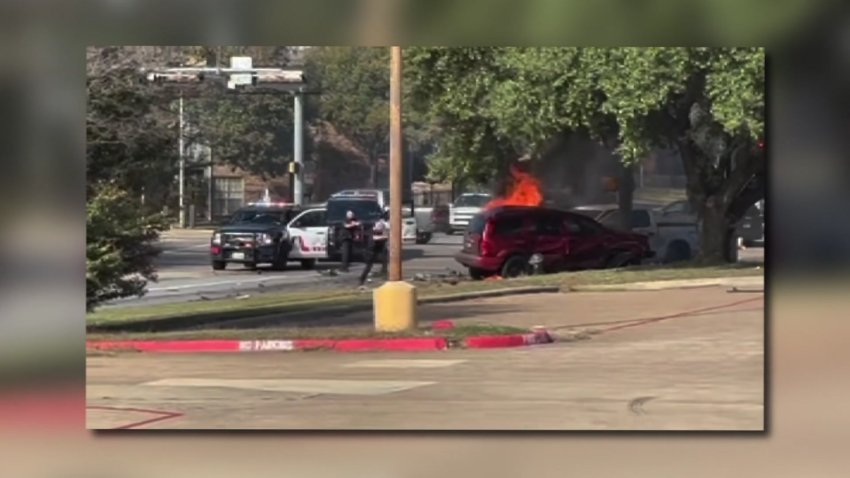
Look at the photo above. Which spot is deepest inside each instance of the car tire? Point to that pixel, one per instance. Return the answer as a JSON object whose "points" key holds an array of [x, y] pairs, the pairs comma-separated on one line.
{"points": [[251, 266], [308, 264], [619, 259], [219, 265], [515, 266], [678, 251], [477, 274]]}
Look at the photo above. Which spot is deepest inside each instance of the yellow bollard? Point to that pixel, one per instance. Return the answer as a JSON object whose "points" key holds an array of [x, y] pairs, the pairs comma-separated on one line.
{"points": [[394, 305]]}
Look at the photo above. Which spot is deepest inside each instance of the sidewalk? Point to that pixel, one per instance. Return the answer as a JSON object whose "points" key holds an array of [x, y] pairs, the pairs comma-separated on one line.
{"points": [[565, 311]]}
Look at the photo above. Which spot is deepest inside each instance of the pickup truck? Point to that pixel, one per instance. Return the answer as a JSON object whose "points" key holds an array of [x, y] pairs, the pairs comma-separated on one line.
{"points": [[673, 231], [464, 208]]}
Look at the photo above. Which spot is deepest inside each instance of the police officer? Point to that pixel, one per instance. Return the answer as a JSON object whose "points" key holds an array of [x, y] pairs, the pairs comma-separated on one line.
{"points": [[349, 231], [380, 236]]}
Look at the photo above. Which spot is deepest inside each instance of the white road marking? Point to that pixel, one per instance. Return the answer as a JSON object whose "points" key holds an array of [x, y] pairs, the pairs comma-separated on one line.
{"points": [[403, 363], [228, 282], [186, 248], [336, 387]]}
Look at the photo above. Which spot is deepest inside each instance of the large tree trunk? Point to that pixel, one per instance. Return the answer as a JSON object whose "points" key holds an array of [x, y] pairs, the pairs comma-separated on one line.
{"points": [[716, 233]]}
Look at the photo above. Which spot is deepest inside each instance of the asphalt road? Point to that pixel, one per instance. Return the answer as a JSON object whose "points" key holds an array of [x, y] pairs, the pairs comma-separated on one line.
{"points": [[659, 360], [185, 273]]}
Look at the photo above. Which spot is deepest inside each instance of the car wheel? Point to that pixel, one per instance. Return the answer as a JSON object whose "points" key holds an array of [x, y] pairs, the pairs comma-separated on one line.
{"points": [[308, 264], [477, 274], [251, 266], [515, 266], [677, 251], [619, 259], [219, 265]]}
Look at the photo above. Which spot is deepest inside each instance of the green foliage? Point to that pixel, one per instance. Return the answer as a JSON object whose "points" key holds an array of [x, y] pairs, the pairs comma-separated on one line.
{"points": [[631, 97], [453, 86], [355, 86], [252, 132], [496, 104], [119, 245], [131, 136]]}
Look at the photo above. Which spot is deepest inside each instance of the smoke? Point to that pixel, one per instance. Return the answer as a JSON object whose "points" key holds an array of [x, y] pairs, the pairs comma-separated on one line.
{"points": [[571, 171]]}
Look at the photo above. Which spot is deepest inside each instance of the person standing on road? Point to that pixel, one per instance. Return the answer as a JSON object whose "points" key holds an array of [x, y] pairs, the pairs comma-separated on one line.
{"points": [[349, 231], [380, 235]]}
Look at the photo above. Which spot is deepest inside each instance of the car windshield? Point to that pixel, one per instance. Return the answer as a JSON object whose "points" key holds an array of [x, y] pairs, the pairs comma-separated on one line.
{"points": [[363, 210], [472, 200], [259, 216]]}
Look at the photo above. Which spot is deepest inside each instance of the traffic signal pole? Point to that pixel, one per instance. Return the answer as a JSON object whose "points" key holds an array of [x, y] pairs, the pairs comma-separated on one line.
{"points": [[395, 301]]}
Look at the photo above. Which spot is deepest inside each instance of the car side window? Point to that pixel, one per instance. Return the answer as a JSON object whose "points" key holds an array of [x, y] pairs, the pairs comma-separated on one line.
{"points": [[583, 226], [509, 226], [310, 219], [640, 218], [548, 225], [572, 227]]}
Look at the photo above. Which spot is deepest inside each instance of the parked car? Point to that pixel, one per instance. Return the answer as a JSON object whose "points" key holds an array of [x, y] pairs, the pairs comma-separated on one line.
{"points": [[673, 231], [412, 229], [750, 230], [507, 240], [367, 210], [308, 233], [255, 234], [464, 208], [440, 217]]}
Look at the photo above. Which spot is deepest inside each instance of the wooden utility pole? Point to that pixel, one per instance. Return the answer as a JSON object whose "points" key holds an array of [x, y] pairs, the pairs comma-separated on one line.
{"points": [[395, 301], [396, 189]]}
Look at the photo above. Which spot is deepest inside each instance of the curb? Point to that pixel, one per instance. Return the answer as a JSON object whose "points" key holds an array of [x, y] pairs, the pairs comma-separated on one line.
{"points": [[259, 316], [538, 337], [734, 281], [406, 344]]}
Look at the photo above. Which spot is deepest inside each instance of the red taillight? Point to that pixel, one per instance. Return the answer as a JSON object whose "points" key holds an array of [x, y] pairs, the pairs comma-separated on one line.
{"points": [[215, 250], [485, 247]]}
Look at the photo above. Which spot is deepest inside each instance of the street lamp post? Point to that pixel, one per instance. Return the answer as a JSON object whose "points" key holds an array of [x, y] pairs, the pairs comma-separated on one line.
{"points": [[395, 301], [181, 205]]}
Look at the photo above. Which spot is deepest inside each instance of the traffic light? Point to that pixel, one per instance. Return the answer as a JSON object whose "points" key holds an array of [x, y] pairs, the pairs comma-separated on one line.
{"points": [[294, 167]]}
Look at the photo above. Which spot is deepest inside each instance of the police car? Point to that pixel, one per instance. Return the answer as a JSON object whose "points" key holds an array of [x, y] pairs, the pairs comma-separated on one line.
{"points": [[255, 234], [410, 226]]}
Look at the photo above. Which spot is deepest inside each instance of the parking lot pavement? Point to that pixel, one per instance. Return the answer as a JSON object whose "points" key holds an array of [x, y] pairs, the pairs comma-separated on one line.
{"points": [[694, 361]]}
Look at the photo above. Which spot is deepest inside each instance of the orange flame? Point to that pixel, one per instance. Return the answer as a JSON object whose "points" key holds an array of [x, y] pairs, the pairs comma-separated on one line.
{"points": [[525, 191]]}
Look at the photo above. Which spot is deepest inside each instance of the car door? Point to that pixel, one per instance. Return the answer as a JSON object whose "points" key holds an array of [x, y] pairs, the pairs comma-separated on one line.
{"points": [[308, 233], [585, 242], [551, 240]]}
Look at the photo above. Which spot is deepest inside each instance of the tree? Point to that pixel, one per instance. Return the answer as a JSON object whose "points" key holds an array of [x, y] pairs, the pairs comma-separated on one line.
{"points": [[119, 245], [706, 103], [131, 135], [252, 131], [354, 85], [131, 151], [452, 87]]}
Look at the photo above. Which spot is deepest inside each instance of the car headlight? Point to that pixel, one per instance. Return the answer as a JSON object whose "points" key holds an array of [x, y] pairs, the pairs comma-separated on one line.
{"points": [[216, 239], [264, 238]]}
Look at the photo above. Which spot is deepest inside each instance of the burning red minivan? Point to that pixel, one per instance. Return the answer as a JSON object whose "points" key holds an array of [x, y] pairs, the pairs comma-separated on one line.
{"points": [[512, 240]]}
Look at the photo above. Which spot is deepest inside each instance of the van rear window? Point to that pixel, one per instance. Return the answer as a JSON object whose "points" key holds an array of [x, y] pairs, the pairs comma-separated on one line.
{"points": [[476, 224]]}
